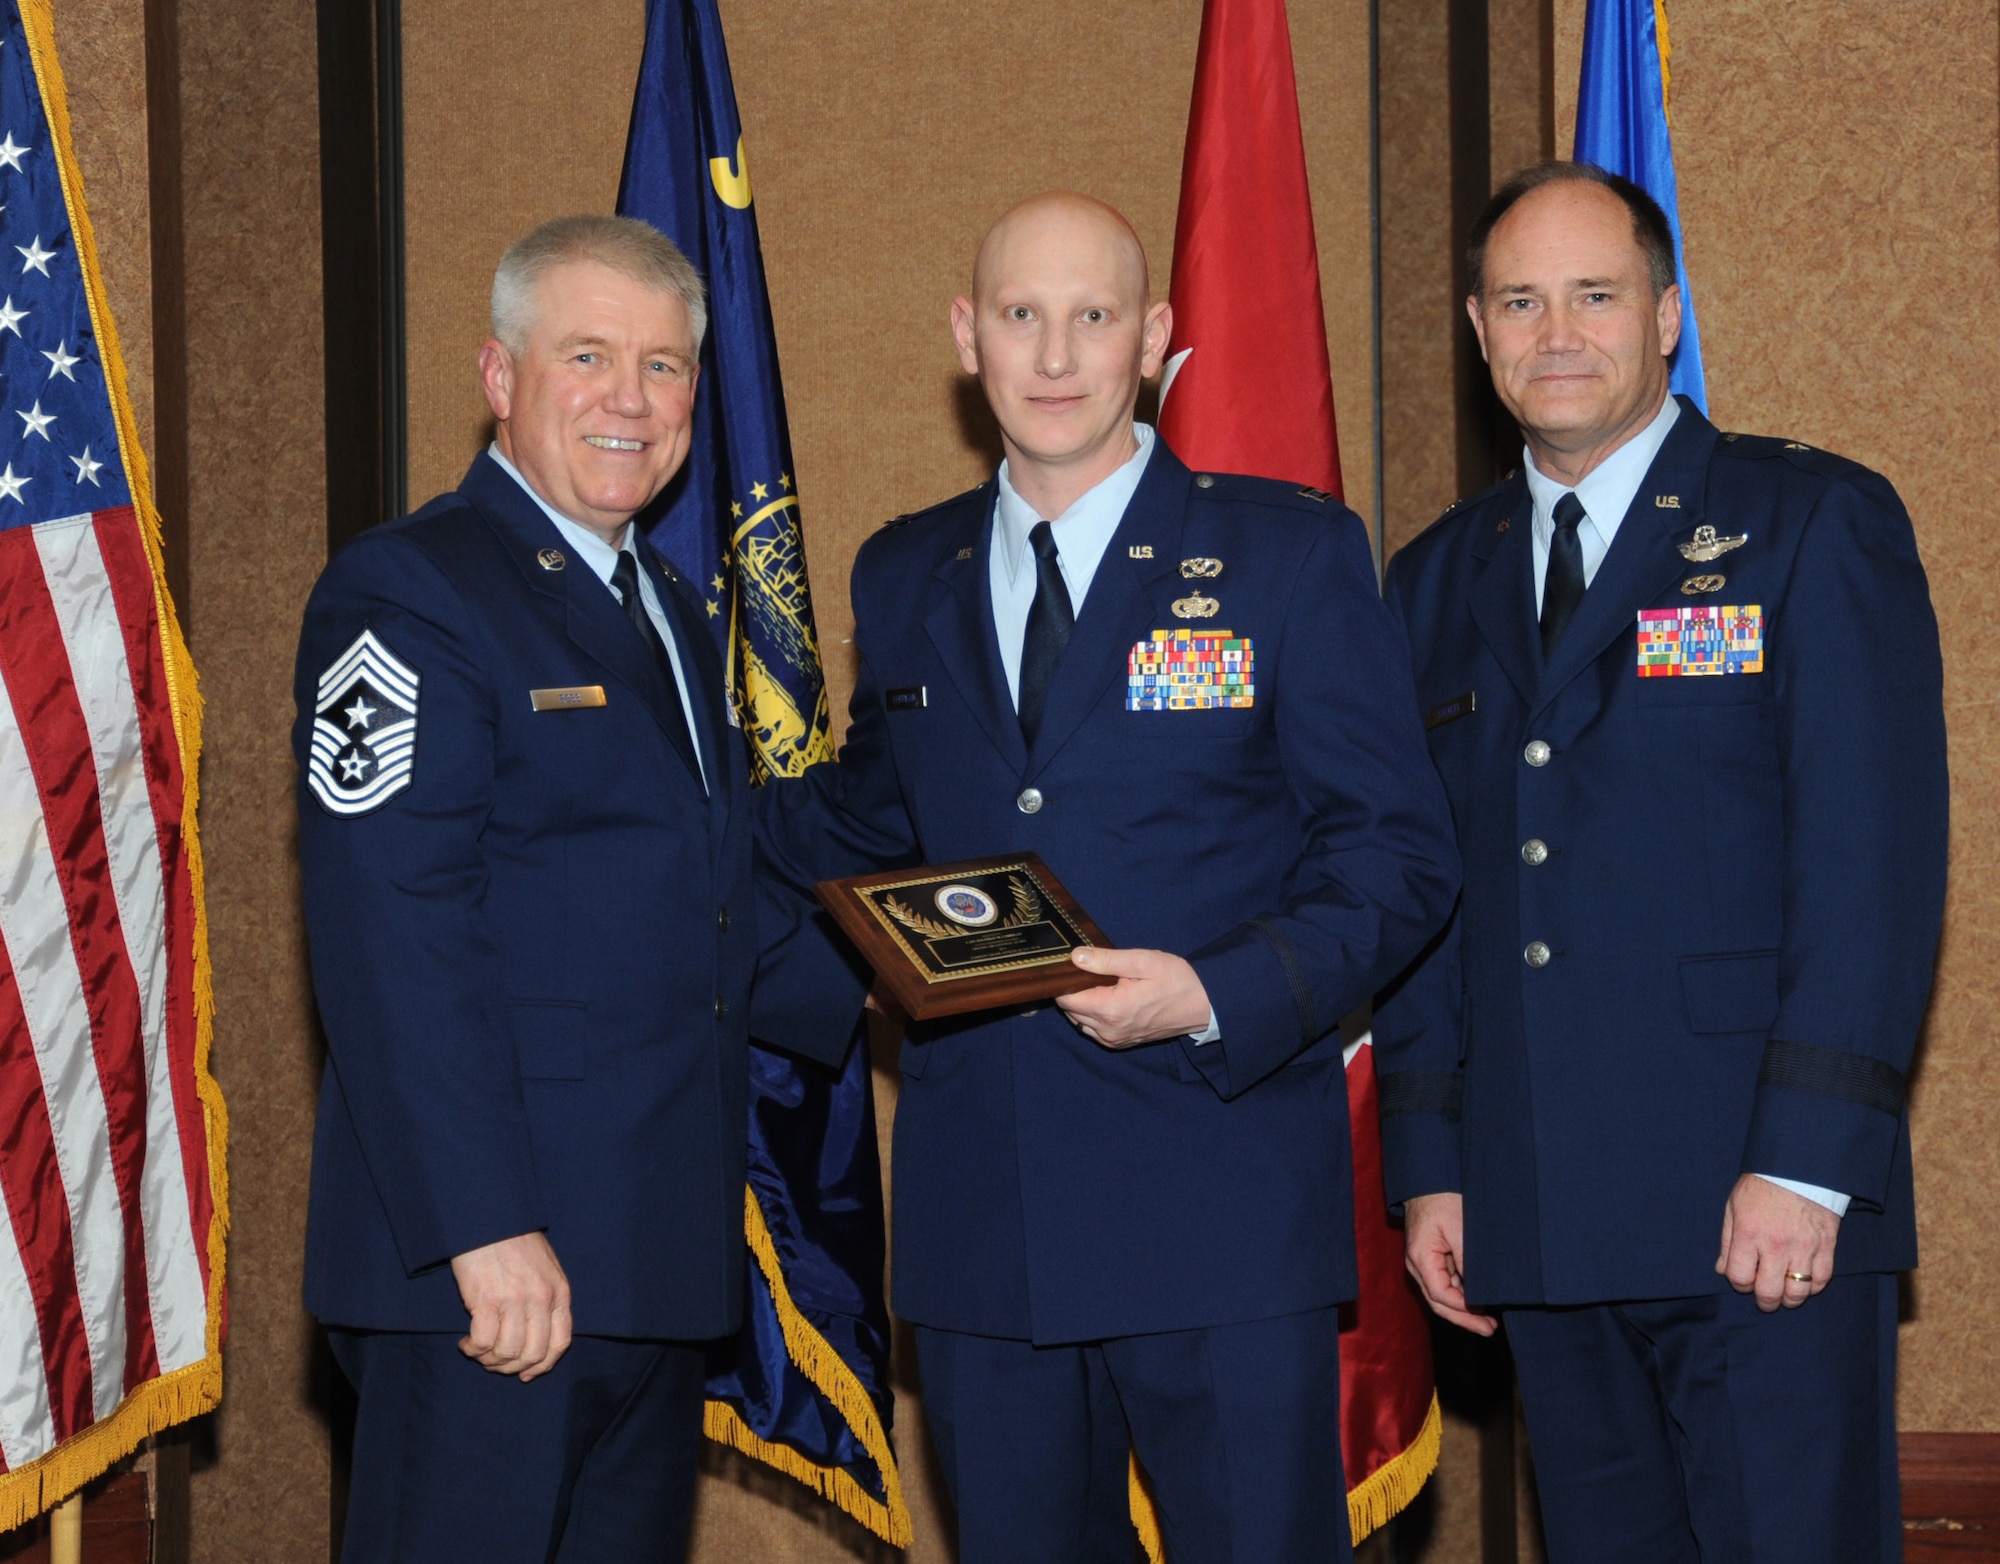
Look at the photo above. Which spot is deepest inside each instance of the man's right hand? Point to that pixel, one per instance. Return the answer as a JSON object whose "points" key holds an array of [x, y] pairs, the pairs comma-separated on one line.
{"points": [[1433, 1247], [518, 1298]]}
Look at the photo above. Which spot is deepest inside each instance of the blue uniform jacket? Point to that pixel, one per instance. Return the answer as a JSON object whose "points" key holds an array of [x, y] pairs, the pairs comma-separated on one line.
{"points": [[534, 961], [1739, 879], [1297, 851]]}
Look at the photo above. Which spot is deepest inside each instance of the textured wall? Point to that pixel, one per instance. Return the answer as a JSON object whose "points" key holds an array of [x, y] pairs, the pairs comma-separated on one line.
{"points": [[1839, 168], [257, 503]]}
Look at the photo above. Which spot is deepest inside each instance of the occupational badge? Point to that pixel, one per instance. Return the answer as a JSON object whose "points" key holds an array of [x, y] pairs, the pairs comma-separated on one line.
{"points": [[1201, 569], [1705, 545], [1196, 607], [1191, 670], [1692, 642], [1695, 586], [364, 738]]}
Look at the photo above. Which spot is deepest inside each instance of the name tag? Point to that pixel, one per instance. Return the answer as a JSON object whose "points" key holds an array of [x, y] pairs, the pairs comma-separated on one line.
{"points": [[572, 697], [911, 697], [1450, 711]]}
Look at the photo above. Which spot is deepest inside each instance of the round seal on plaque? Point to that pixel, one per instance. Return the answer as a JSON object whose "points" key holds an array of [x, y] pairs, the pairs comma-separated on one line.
{"points": [[963, 905]]}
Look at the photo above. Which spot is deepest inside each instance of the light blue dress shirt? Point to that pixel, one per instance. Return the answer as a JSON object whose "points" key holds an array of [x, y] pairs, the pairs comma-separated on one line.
{"points": [[1606, 494], [603, 559], [1082, 534]]}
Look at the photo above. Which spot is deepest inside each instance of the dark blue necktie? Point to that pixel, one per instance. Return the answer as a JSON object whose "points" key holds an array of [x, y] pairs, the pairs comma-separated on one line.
{"points": [[1562, 589], [625, 580], [1049, 624]]}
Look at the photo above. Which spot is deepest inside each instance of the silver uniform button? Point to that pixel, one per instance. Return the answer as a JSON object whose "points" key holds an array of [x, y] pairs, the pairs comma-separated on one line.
{"points": [[1536, 955], [1029, 801], [1534, 851], [1537, 753], [1204, 480]]}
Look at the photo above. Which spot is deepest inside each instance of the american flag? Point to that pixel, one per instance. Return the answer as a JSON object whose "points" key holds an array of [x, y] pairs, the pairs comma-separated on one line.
{"points": [[111, 1130]]}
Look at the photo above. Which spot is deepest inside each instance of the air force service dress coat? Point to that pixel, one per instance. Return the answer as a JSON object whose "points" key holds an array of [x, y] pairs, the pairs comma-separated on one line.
{"points": [[1700, 912], [534, 932], [1297, 850]]}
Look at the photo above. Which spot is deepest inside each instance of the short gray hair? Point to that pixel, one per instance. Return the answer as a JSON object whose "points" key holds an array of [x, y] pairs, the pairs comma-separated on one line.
{"points": [[626, 245]]}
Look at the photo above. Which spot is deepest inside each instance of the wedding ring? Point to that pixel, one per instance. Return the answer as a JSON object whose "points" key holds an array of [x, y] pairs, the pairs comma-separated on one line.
{"points": [[1800, 1276]]}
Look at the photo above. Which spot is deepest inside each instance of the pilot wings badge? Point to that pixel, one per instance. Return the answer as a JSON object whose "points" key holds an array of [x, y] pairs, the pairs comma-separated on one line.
{"points": [[1705, 545], [364, 738]]}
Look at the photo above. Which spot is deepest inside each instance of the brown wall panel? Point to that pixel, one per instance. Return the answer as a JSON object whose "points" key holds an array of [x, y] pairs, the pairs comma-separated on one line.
{"points": [[1839, 169], [258, 527]]}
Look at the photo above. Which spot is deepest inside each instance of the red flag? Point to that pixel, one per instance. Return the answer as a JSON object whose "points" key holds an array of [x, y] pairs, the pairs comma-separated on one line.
{"points": [[1249, 389], [1247, 386]]}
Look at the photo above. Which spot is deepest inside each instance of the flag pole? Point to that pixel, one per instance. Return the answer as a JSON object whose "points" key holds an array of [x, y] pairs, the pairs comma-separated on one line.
{"points": [[66, 1531]]}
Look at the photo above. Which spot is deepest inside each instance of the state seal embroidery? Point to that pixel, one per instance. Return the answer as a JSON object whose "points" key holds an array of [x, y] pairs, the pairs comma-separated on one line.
{"points": [[364, 738]]}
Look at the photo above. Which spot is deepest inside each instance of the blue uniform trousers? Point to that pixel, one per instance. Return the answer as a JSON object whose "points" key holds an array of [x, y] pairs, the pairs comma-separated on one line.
{"points": [[1701, 1431], [592, 1463], [1237, 1426]]}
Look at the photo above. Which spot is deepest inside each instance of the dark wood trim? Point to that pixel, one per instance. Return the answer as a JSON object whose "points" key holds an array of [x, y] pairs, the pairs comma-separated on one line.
{"points": [[1951, 1497], [1485, 434], [173, 1519], [361, 253], [170, 399]]}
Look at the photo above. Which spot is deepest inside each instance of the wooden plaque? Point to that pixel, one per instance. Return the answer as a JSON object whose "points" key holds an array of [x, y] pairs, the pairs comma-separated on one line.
{"points": [[980, 935]]}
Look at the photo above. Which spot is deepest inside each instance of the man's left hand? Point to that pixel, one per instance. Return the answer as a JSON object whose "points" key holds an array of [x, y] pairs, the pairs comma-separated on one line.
{"points": [[1771, 1237], [1157, 996]]}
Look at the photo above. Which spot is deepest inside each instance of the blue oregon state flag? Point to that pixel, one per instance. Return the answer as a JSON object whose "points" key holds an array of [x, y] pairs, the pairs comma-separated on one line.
{"points": [[805, 1386], [1621, 126]]}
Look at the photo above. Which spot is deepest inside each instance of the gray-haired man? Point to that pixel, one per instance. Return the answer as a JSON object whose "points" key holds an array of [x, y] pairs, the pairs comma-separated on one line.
{"points": [[526, 841]]}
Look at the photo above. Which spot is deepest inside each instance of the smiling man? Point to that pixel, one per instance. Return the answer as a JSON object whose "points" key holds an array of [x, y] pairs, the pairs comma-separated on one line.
{"points": [[1644, 1098], [1123, 1222], [524, 825]]}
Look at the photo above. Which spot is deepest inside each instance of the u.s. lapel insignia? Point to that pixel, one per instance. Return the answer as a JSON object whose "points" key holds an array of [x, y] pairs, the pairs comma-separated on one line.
{"points": [[1705, 545], [364, 735], [1138, 551], [1667, 501], [1200, 569], [1694, 586], [1196, 607], [551, 559], [964, 553]]}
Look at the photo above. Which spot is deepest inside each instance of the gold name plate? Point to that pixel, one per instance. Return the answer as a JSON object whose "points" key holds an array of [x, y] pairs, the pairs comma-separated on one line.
{"points": [[979, 935], [572, 697]]}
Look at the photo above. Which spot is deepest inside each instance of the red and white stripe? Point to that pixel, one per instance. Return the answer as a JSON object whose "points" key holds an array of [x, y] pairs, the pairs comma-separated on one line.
{"points": [[103, 1147]]}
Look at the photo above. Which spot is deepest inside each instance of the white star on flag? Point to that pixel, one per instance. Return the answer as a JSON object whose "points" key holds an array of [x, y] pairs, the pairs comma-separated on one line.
{"points": [[36, 259], [10, 154], [86, 469], [37, 421], [10, 318], [10, 486], [62, 358]]}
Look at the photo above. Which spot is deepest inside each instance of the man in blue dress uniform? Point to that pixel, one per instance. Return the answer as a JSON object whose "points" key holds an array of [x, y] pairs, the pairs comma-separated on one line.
{"points": [[1123, 1224], [524, 824], [1644, 1098]]}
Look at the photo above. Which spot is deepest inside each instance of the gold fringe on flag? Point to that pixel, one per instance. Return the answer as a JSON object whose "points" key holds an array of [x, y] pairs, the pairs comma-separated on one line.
{"points": [[190, 1391], [1372, 1503], [817, 1360]]}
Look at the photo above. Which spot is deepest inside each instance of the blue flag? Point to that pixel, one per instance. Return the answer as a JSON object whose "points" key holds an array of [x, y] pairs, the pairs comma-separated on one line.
{"points": [[1621, 126], [805, 1385]]}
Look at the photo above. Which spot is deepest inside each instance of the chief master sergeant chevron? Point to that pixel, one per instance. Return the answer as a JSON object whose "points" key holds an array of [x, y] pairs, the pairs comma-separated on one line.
{"points": [[1125, 1224], [524, 824], [1645, 1096]]}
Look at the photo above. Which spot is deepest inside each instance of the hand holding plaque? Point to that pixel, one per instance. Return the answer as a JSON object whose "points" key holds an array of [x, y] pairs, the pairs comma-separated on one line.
{"points": [[978, 935]]}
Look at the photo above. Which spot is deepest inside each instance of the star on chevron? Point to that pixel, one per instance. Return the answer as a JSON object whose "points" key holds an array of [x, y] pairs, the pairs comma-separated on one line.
{"points": [[759, 491], [11, 486], [62, 360], [86, 469], [10, 154], [10, 318], [352, 767], [34, 257], [37, 421], [360, 713]]}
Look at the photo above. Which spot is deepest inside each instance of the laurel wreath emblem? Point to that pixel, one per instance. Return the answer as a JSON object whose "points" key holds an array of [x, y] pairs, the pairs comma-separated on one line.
{"points": [[1027, 909]]}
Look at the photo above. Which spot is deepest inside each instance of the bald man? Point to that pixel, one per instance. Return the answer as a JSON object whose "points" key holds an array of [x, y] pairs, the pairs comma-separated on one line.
{"points": [[1123, 1222]]}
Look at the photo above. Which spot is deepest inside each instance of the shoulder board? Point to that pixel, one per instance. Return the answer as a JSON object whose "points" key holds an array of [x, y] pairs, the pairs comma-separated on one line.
{"points": [[1237, 488], [1461, 510], [1808, 458], [929, 510]]}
